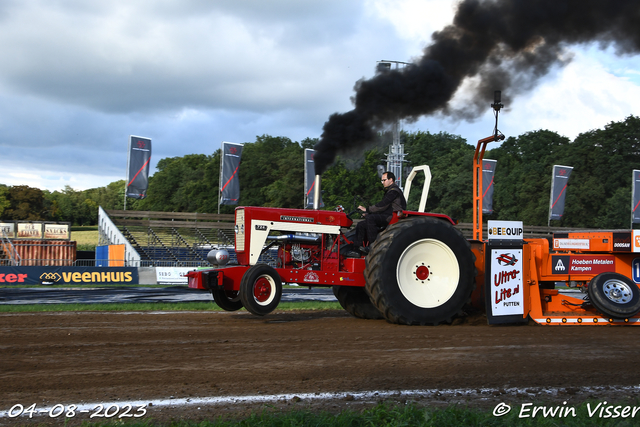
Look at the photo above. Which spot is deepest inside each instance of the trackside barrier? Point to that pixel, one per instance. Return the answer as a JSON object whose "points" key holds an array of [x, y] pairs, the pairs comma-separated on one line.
{"points": [[57, 275], [91, 275]]}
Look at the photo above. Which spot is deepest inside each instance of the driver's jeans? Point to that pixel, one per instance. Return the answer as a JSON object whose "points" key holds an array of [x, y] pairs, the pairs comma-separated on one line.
{"points": [[367, 230]]}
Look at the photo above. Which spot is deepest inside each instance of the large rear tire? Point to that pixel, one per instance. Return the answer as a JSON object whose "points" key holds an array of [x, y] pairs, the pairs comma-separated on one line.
{"points": [[420, 271], [356, 301], [614, 295], [227, 300], [260, 289]]}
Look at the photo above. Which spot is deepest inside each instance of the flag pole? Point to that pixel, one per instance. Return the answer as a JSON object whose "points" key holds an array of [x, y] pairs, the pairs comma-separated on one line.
{"points": [[220, 180]]}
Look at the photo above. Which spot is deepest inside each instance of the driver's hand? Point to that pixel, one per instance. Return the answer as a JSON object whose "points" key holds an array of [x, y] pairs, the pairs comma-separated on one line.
{"points": [[362, 208]]}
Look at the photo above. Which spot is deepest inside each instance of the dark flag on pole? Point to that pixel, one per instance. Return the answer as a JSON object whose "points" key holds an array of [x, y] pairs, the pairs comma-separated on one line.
{"points": [[488, 171], [229, 181], [309, 179], [138, 167], [560, 177], [635, 191]]}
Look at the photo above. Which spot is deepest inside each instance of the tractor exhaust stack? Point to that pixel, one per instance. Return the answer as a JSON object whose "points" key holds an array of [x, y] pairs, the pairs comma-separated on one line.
{"points": [[316, 193]]}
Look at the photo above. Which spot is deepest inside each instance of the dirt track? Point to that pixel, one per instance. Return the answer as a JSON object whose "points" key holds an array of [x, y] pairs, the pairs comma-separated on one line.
{"points": [[96, 357]]}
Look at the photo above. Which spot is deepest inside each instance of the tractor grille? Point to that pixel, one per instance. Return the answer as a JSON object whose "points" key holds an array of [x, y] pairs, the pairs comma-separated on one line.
{"points": [[240, 230]]}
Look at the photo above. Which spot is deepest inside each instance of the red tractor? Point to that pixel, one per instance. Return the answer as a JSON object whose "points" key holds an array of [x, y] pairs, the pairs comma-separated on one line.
{"points": [[419, 271]]}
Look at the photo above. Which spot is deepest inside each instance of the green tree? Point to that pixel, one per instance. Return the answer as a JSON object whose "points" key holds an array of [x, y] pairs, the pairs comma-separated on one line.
{"points": [[450, 160], [5, 203], [73, 206], [272, 173], [523, 175], [25, 203]]}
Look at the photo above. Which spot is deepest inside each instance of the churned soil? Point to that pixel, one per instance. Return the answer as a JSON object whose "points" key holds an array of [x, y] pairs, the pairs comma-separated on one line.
{"points": [[50, 358]]}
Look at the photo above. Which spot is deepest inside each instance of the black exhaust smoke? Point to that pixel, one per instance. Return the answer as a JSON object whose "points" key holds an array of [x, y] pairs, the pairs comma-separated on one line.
{"points": [[504, 44]]}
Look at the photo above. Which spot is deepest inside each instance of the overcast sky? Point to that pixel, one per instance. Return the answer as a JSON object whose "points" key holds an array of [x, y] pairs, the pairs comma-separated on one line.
{"points": [[79, 76]]}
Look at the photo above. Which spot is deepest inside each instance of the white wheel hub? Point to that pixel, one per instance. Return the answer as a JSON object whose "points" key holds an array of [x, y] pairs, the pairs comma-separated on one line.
{"points": [[428, 273]]}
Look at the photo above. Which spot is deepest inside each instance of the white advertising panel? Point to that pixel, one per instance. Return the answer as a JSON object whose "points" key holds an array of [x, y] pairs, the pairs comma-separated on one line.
{"points": [[571, 243], [29, 230], [505, 230], [172, 275], [636, 241], [506, 282], [56, 231], [8, 228]]}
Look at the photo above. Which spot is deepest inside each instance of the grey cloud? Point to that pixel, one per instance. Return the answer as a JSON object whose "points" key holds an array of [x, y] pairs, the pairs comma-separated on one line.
{"points": [[164, 55]]}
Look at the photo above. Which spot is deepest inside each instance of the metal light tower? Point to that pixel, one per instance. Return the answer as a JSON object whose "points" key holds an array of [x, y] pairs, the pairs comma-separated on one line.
{"points": [[395, 156]]}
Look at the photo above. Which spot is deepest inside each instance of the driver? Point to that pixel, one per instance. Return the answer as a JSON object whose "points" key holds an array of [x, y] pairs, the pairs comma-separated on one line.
{"points": [[380, 214]]}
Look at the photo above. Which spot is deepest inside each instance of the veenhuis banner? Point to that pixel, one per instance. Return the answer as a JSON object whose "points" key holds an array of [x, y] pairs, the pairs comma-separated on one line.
{"points": [[138, 167], [67, 275]]}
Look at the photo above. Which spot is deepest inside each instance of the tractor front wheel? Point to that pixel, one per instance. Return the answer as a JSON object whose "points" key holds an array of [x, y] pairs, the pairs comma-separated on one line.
{"points": [[614, 295], [260, 289], [420, 271]]}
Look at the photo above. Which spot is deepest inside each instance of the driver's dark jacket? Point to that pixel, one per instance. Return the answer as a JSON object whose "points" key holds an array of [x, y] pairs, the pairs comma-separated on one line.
{"points": [[392, 201]]}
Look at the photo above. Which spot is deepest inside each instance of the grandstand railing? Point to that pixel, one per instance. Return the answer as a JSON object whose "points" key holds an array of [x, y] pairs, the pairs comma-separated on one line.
{"points": [[141, 263], [104, 263], [9, 249], [109, 234], [29, 262]]}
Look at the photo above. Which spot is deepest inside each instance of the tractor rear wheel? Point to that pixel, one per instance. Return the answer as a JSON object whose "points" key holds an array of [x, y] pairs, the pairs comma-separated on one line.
{"points": [[614, 295], [356, 301], [227, 300], [260, 289], [420, 271]]}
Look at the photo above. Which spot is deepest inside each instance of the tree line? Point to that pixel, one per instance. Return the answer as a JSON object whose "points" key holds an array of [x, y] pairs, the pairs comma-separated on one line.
{"points": [[272, 174]]}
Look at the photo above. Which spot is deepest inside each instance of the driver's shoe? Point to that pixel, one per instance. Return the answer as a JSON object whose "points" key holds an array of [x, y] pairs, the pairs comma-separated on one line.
{"points": [[353, 254]]}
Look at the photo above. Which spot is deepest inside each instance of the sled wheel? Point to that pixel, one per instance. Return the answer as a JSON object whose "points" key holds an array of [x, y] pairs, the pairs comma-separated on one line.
{"points": [[260, 289], [356, 301], [420, 271], [614, 295], [227, 300]]}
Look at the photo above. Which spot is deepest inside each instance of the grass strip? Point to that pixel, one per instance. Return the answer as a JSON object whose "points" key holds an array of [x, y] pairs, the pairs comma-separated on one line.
{"points": [[155, 306], [387, 415]]}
